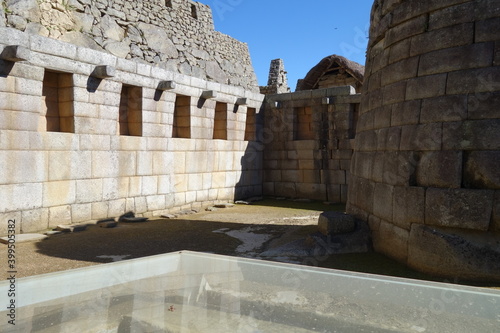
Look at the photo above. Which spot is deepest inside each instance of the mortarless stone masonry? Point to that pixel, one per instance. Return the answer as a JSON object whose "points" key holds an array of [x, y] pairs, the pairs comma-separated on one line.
{"points": [[177, 35], [108, 106], [423, 172]]}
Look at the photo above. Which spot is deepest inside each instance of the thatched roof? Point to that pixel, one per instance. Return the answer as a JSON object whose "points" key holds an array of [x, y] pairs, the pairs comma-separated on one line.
{"points": [[312, 78]]}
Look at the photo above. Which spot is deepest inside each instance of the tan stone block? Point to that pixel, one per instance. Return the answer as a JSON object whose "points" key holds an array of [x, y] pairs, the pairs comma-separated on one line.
{"points": [[391, 241], [22, 166], [190, 197], [181, 183], [459, 208], [19, 197], [116, 207], [81, 213], [165, 184], [115, 188], [34, 220], [155, 202], [13, 219], [195, 182], [59, 215], [311, 191], [141, 205], [127, 162], [88, 190], [149, 185], [218, 179], [59, 193], [99, 210], [135, 186], [202, 196]]}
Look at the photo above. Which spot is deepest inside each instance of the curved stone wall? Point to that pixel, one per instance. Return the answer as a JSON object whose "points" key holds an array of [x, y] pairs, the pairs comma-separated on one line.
{"points": [[425, 171]]}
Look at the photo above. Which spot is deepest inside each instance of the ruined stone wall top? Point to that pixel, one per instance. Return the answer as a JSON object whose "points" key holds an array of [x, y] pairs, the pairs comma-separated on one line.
{"points": [[177, 35]]}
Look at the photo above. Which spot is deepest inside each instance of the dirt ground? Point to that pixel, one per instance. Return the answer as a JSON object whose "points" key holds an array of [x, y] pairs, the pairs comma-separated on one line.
{"points": [[242, 230]]}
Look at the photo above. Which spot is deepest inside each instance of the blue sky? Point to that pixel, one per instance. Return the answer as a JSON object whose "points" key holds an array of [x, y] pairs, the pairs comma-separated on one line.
{"points": [[298, 31]]}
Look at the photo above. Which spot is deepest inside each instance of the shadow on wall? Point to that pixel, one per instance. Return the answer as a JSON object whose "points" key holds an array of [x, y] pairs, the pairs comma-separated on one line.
{"points": [[250, 182]]}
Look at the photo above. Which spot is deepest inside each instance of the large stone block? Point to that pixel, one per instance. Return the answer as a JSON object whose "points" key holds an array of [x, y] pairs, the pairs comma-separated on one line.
{"points": [[458, 58], [426, 86], [35, 220], [18, 197], [88, 190], [483, 105], [59, 193], [459, 208], [383, 201], [409, 206], [81, 213], [440, 169], [332, 223], [444, 108], [391, 241], [456, 35], [482, 170], [452, 15], [472, 135], [471, 81], [454, 253], [59, 215]]}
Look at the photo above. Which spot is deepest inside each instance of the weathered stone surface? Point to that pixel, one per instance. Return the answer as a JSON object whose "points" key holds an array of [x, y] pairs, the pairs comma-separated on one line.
{"points": [[158, 39], [108, 224], [459, 208], [71, 228], [26, 8], [482, 170], [495, 216], [224, 205], [391, 241], [409, 205], [455, 253], [332, 223], [440, 169]]}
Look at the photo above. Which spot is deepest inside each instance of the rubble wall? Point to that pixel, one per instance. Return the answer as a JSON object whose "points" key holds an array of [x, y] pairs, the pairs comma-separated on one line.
{"points": [[98, 162], [176, 35], [425, 168]]}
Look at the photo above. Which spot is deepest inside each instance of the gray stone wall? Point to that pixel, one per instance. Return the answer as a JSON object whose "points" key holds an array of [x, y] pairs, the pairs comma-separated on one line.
{"points": [[309, 137], [425, 168], [89, 168], [179, 38]]}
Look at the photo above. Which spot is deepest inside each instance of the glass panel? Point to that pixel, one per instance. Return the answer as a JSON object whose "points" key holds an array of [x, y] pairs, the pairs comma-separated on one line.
{"points": [[191, 292]]}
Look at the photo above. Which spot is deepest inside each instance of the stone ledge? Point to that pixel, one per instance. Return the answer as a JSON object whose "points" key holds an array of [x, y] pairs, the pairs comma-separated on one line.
{"points": [[23, 238]]}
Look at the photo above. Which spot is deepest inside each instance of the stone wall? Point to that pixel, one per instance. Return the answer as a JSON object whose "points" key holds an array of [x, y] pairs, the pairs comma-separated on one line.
{"points": [[309, 137], [80, 142], [176, 35], [425, 169]]}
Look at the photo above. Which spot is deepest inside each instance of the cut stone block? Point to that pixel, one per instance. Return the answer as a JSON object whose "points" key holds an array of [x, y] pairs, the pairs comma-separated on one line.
{"points": [[209, 94], [15, 53], [22, 238], [71, 228], [166, 85], [330, 223], [454, 252], [103, 72]]}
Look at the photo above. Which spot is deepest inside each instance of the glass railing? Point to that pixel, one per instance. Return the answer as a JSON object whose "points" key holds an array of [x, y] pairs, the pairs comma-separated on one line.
{"points": [[195, 292]]}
